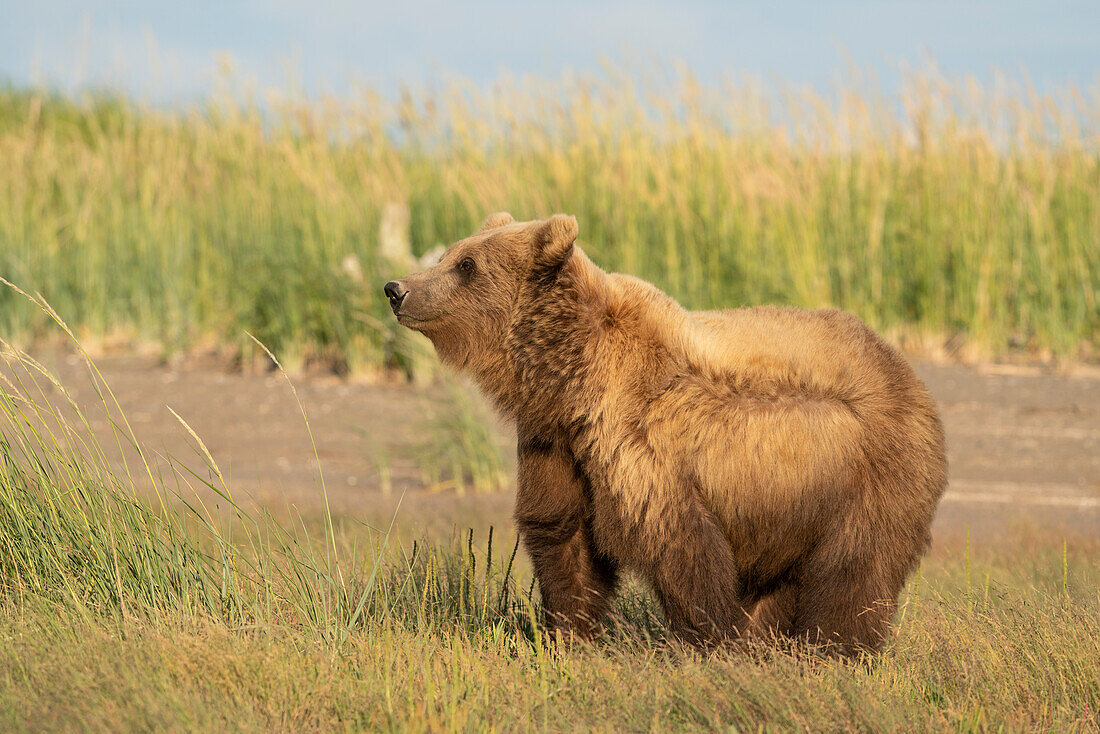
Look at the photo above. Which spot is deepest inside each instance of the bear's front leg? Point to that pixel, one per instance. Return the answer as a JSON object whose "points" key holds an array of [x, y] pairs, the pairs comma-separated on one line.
{"points": [[575, 580]]}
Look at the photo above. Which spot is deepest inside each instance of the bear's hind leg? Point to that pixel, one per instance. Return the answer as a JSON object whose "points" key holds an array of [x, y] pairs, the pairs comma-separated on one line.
{"points": [[847, 610], [774, 615]]}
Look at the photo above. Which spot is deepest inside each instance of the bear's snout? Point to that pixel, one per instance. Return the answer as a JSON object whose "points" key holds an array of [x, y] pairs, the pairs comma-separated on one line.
{"points": [[396, 293]]}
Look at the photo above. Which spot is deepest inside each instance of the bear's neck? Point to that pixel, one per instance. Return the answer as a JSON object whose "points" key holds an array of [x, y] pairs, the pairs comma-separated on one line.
{"points": [[544, 367]]}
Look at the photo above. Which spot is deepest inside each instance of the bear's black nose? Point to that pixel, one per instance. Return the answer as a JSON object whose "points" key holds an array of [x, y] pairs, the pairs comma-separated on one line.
{"points": [[396, 293]]}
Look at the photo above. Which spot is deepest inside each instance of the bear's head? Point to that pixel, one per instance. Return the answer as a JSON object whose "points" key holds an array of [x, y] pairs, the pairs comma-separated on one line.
{"points": [[465, 303]]}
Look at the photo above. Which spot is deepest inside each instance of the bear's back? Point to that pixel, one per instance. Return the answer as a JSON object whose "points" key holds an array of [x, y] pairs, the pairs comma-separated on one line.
{"points": [[824, 352]]}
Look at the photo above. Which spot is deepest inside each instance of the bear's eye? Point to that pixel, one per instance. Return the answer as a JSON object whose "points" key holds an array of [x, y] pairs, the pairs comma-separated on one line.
{"points": [[466, 265]]}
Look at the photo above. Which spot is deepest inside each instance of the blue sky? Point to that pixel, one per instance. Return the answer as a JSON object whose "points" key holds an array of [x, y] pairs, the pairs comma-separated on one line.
{"points": [[167, 51]]}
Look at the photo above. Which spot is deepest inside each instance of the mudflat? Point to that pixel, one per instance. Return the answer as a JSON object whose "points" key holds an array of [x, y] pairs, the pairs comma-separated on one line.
{"points": [[1023, 443]]}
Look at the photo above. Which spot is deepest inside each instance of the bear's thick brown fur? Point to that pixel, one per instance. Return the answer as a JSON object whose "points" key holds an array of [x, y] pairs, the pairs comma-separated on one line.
{"points": [[767, 470]]}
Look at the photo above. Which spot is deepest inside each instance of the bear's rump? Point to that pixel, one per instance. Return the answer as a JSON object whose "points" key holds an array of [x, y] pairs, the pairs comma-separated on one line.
{"points": [[747, 455], [773, 474], [778, 458]]}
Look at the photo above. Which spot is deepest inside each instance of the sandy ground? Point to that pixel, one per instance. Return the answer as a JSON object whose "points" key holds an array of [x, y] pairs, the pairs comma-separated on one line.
{"points": [[1024, 446]]}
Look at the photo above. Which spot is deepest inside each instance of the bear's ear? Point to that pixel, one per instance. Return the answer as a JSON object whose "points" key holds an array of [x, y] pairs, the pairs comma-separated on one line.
{"points": [[497, 220], [554, 240]]}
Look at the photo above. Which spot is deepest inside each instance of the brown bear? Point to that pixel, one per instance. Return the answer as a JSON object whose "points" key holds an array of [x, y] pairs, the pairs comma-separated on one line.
{"points": [[767, 470]]}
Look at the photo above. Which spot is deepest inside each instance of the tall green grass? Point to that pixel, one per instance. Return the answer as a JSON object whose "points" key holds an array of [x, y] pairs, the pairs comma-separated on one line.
{"points": [[954, 212]]}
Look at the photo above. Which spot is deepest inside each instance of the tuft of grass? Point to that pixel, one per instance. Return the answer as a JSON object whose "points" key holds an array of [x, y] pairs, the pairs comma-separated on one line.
{"points": [[461, 450], [77, 533], [951, 212]]}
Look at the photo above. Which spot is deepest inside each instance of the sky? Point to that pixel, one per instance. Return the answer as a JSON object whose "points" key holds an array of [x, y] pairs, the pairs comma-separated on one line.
{"points": [[169, 51]]}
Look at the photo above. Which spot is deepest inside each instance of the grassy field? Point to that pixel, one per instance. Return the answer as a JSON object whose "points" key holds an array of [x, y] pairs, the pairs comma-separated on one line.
{"points": [[955, 214], [140, 593], [127, 600]]}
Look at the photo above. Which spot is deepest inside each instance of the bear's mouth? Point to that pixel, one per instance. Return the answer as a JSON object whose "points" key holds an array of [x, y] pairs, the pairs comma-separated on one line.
{"points": [[411, 322]]}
